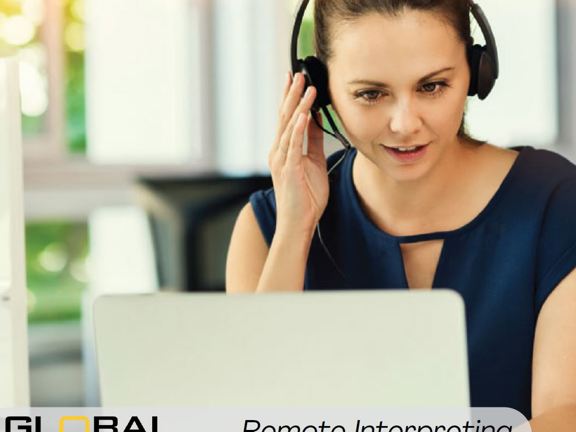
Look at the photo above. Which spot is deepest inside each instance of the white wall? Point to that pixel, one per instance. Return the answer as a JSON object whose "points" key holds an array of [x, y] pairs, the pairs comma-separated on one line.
{"points": [[14, 389], [523, 107], [567, 74]]}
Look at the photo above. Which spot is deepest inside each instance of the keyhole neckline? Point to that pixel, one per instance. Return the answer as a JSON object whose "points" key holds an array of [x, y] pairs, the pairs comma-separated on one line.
{"points": [[439, 235]]}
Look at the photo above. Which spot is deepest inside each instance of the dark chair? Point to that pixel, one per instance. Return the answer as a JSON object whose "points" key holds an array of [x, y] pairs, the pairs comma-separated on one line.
{"points": [[191, 221]]}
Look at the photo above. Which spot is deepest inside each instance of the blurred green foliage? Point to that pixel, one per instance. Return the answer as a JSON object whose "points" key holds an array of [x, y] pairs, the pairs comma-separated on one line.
{"points": [[74, 82], [56, 269], [75, 103], [75, 78], [31, 126], [306, 39]]}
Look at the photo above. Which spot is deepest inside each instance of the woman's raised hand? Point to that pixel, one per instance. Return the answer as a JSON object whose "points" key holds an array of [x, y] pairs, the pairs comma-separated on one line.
{"points": [[300, 181]]}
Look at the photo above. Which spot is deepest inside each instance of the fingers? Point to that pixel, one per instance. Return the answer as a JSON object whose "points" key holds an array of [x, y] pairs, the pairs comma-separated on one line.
{"points": [[316, 139], [291, 100], [284, 114], [315, 132], [287, 86], [294, 153], [302, 108]]}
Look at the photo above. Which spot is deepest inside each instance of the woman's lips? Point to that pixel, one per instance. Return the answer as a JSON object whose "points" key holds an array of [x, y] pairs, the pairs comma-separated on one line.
{"points": [[410, 156]]}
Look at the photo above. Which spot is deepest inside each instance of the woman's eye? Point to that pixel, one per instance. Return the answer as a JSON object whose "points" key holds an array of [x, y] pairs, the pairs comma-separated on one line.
{"points": [[430, 89], [433, 88], [369, 96]]}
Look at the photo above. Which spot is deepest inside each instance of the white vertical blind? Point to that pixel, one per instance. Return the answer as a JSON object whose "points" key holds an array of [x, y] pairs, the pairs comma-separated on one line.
{"points": [[141, 81], [14, 387], [566, 19], [7, 398], [251, 60], [523, 107]]}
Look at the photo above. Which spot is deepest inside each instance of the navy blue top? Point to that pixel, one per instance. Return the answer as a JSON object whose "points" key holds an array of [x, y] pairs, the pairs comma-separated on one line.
{"points": [[504, 263]]}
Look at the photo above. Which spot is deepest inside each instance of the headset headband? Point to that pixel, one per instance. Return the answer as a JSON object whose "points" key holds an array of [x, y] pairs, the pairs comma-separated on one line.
{"points": [[491, 47], [475, 9], [296, 33]]}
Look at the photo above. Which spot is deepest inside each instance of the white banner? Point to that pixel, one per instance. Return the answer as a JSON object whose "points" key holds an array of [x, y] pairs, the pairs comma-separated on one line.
{"points": [[255, 419]]}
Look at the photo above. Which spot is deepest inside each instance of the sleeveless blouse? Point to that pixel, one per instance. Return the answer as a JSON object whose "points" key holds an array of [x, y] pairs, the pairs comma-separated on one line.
{"points": [[504, 263]]}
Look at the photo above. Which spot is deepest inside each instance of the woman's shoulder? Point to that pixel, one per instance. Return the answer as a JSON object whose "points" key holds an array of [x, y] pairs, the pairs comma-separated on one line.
{"points": [[263, 204], [524, 180], [530, 169], [545, 165], [543, 183]]}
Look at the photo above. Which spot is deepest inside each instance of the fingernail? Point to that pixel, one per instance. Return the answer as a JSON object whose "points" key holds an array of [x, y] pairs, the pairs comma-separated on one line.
{"points": [[295, 79]]}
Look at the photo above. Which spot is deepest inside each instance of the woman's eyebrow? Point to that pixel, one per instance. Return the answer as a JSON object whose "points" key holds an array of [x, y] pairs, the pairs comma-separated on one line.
{"points": [[381, 84]]}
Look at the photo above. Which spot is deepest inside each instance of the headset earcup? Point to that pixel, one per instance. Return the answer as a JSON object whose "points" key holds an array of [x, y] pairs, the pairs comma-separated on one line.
{"points": [[474, 54], [482, 73], [316, 75], [486, 78]]}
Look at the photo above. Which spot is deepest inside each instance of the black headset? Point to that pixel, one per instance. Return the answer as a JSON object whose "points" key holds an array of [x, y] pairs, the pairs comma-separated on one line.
{"points": [[483, 61]]}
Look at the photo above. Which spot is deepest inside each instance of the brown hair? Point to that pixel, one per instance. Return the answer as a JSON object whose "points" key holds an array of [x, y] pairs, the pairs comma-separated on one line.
{"points": [[455, 12]]}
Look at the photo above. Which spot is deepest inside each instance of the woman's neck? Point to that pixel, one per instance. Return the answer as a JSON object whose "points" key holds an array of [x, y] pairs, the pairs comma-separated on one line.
{"points": [[434, 202]]}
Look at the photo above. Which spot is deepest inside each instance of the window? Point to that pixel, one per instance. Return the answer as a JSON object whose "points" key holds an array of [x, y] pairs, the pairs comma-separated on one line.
{"points": [[56, 268], [21, 28], [73, 171], [74, 47], [110, 91]]}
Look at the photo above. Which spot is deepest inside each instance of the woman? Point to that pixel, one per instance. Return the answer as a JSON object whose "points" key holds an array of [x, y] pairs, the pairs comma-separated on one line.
{"points": [[420, 204]]}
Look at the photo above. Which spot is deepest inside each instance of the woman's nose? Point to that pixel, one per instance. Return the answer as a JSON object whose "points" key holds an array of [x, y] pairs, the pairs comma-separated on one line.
{"points": [[404, 119]]}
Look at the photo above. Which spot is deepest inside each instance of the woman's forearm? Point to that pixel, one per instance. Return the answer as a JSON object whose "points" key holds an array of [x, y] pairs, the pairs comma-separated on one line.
{"points": [[561, 419], [286, 263]]}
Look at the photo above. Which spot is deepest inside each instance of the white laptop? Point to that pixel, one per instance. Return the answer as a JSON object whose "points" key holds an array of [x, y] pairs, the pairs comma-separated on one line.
{"points": [[346, 348]]}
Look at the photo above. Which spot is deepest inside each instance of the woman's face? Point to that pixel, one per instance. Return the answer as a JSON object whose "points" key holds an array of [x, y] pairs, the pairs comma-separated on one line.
{"points": [[399, 81]]}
